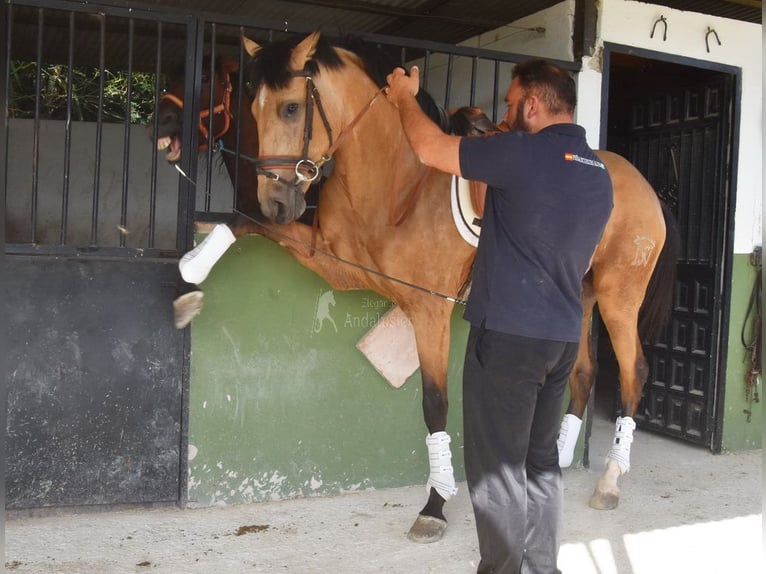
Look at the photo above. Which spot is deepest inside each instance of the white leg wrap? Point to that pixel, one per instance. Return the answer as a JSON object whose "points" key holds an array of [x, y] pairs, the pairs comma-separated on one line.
{"points": [[568, 435], [196, 264], [623, 438], [442, 477]]}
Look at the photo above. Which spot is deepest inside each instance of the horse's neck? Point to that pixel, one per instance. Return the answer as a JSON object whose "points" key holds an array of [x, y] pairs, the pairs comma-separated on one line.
{"points": [[377, 161]]}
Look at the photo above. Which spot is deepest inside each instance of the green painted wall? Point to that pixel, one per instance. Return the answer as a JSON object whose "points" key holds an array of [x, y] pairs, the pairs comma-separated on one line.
{"points": [[278, 409], [283, 406], [740, 430]]}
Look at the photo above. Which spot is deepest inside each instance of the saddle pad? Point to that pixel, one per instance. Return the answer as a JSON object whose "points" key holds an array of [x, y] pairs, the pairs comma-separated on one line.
{"points": [[464, 214]]}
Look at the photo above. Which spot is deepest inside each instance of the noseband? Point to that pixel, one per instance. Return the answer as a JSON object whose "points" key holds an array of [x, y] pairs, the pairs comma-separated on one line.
{"points": [[221, 108], [307, 170]]}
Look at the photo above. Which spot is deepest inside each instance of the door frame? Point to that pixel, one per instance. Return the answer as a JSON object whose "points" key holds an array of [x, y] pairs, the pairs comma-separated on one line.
{"points": [[725, 243]]}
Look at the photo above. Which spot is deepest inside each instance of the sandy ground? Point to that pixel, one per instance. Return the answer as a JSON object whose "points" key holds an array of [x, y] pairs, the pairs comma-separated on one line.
{"points": [[683, 510]]}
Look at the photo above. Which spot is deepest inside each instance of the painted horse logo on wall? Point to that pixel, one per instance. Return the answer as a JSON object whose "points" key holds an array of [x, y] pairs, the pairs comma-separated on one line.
{"points": [[322, 310]]}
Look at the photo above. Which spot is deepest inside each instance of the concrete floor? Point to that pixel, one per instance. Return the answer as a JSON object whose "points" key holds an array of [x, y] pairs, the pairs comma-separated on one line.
{"points": [[683, 510]]}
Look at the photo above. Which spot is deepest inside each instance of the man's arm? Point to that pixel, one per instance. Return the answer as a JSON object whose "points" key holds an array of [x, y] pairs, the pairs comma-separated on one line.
{"points": [[433, 147]]}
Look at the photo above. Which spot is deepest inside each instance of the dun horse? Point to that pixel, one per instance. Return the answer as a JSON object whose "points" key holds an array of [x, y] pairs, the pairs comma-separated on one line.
{"points": [[315, 103]]}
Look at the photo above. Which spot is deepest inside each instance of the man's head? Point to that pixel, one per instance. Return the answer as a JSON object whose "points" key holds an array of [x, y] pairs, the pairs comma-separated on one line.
{"points": [[540, 94]]}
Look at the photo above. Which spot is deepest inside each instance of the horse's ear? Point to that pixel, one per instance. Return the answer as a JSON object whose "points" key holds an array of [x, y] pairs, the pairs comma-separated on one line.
{"points": [[304, 51], [250, 47]]}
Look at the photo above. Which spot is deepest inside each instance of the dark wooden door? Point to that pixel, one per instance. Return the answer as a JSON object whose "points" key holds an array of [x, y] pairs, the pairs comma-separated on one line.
{"points": [[673, 123]]}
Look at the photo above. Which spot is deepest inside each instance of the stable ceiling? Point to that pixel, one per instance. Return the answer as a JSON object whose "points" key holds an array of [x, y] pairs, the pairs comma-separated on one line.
{"points": [[448, 21]]}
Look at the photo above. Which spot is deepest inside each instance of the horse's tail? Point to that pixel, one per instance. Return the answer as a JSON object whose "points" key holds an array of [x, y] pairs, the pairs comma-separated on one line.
{"points": [[658, 302]]}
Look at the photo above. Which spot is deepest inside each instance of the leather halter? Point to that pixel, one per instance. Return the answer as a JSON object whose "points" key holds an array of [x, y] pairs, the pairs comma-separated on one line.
{"points": [[306, 169], [222, 108]]}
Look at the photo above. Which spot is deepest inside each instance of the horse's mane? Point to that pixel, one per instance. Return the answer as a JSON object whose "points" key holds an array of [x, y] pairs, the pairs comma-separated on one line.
{"points": [[271, 67]]}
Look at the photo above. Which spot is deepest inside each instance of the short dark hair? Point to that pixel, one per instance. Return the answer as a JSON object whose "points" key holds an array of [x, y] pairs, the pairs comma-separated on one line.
{"points": [[552, 84]]}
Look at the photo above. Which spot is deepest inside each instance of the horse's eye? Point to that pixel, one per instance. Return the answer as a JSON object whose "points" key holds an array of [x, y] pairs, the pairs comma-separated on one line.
{"points": [[289, 110]]}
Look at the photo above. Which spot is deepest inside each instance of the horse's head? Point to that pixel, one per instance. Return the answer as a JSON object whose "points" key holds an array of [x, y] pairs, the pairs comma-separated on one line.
{"points": [[169, 117], [296, 127]]}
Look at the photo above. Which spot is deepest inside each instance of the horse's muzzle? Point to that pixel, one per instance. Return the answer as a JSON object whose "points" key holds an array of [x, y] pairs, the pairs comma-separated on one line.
{"points": [[282, 201]]}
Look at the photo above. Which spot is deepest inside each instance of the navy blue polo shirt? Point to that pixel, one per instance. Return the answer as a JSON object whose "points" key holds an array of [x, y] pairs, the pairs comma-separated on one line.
{"points": [[548, 200]]}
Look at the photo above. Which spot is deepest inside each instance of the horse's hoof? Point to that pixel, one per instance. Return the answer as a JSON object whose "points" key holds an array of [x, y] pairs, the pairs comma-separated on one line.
{"points": [[186, 307], [604, 500], [427, 529]]}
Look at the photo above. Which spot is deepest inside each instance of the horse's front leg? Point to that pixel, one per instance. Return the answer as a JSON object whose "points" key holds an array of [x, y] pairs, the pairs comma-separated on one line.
{"points": [[432, 332]]}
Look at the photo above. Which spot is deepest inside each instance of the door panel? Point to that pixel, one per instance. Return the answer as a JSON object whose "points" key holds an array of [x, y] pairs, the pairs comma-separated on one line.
{"points": [[672, 123], [94, 388]]}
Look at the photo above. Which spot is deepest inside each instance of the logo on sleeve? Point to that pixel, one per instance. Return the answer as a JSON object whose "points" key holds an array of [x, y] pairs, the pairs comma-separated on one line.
{"points": [[568, 156]]}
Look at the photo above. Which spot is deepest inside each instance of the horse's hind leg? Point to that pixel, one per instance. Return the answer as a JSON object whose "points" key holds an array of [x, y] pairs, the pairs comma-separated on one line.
{"points": [[580, 381], [432, 332], [620, 315]]}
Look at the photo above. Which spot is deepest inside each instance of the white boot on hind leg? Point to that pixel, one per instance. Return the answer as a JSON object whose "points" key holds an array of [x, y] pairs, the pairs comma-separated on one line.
{"points": [[567, 440], [623, 439]]}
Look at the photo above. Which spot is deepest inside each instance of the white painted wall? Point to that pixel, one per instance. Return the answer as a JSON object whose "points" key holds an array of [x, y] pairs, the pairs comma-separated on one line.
{"points": [[630, 23]]}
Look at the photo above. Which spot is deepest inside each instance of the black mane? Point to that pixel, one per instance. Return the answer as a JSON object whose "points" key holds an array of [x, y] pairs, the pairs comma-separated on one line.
{"points": [[271, 67]]}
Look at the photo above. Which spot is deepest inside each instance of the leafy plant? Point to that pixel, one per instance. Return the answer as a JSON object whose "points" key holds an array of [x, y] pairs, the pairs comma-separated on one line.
{"points": [[84, 90]]}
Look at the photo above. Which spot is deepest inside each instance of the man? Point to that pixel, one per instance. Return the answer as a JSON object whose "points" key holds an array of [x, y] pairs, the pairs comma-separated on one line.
{"points": [[548, 200]]}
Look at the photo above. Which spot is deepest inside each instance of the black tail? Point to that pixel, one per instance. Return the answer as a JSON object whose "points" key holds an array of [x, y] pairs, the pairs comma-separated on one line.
{"points": [[658, 302]]}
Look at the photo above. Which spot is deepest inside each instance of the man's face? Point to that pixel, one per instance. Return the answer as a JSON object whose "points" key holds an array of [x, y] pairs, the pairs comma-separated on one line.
{"points": [[514, 113]]}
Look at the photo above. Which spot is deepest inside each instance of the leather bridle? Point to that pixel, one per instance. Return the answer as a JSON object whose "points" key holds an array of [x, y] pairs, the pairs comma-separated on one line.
{"points": [[306, 169], [221, 108]]}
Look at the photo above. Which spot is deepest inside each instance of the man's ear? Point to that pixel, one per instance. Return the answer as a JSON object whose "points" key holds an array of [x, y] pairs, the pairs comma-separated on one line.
{"points": [[531, 106]]}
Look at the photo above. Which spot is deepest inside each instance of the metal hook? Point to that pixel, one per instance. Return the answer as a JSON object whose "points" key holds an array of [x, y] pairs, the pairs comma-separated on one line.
{"points": [[665, 23], [711, 31]]}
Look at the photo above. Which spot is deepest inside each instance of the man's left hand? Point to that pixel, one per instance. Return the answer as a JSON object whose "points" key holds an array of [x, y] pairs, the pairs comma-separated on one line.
{"points": [[400, 85]]}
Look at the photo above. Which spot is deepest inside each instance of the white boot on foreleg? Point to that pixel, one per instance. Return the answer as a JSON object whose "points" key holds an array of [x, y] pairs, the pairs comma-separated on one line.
{"points": [[195, 265], [442, 476]]}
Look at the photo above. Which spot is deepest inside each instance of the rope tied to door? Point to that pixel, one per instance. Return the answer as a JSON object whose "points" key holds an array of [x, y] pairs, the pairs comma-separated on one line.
{"points": [[753, 318]]}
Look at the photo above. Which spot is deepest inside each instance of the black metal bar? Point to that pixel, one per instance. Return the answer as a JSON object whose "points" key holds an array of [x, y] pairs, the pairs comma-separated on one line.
{"points": [[195, 39], [495, 87], [240, 112], [70, 251], [6, 19], [474, 67], [448, 89], [67, 134], [426, 69], [36, 135], [99, 130], [126, 139], [155, 134], [210, 118]]}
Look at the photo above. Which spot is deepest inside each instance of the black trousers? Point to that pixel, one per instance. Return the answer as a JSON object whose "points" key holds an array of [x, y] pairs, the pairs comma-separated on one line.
{"points": [[513, 388]]}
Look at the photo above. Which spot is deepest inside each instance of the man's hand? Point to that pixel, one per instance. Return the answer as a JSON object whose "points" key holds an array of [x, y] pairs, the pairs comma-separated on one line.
{"points": [[400, 85]]}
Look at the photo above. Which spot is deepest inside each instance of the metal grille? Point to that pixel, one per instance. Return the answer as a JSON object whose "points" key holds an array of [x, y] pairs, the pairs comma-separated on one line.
{"points": [[81, 175], [85, 179]]}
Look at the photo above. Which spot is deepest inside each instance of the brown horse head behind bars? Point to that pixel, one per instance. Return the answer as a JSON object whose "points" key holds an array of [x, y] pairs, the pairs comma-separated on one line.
{"points": [[317, 104]]}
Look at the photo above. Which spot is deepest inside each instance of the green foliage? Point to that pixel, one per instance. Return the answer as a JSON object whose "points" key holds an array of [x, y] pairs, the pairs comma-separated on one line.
{"points": [[84, 90]]}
